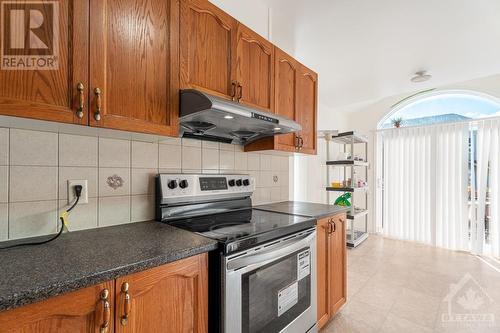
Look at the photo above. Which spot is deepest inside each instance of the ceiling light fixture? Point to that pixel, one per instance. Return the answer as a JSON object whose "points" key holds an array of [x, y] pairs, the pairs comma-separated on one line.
{"points": [[228, 117], [421, 76]]}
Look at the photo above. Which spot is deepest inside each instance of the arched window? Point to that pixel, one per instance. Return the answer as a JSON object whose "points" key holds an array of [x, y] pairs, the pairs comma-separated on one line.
{"points": [[441, 107]]}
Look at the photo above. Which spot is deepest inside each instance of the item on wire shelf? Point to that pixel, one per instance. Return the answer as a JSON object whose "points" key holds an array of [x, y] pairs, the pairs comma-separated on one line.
{"points": [[343, 200], [337, 184]]}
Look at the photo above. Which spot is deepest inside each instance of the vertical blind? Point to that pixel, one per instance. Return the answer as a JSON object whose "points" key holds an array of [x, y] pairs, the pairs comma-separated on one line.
{"points": [[425, 197]]}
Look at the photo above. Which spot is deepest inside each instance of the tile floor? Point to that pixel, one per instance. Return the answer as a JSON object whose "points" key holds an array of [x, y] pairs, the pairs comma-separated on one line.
{"points": [[397, 286]]}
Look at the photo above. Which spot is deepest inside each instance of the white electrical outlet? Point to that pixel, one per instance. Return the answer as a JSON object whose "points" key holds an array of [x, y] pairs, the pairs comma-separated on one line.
{"points": [[84, 197]]}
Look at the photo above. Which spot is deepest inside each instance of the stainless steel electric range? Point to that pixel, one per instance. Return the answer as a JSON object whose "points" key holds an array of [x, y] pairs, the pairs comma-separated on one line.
{"points": [[263, 277]]}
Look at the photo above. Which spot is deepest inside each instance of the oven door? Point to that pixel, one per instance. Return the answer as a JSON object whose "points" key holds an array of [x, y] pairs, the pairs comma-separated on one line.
{"points": [[272, 288]]}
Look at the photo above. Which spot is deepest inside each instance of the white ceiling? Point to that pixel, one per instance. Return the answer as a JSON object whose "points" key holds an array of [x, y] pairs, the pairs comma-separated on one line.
{"points": [[365, 50]]}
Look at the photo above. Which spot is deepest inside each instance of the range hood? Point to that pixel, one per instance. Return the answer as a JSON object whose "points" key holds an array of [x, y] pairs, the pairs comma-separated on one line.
{"points": [[207, 117]]}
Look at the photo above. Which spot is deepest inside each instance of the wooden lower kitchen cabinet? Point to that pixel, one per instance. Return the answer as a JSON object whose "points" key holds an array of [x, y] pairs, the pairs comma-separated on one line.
{"points": [[170, 298], [86, 310], [331, 267]]}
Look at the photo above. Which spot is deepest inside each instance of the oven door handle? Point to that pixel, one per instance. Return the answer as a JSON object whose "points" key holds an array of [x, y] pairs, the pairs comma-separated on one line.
{"points": [[275, 252]]}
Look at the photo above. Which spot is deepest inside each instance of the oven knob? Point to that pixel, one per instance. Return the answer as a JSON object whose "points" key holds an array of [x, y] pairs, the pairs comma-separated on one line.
{"points": [[239, 182], [231, 182], [246, 182], [183, 183], [172, 184]]}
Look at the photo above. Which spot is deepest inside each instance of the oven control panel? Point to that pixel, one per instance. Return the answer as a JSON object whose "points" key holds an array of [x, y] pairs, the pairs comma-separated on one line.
{"points": [[177, 188]]}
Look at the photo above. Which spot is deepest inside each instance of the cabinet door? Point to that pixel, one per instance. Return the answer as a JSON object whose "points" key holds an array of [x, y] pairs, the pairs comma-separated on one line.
{"points": [[207, 38], [338, 263], [82, 311], [285, 95], [255, 69], [307, 86], [133, 62], [170, 298], [59, 48], [323, 259]]}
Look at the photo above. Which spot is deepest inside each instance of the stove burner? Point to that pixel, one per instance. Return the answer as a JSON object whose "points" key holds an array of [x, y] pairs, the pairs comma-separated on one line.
{"points": [[230, 234]]}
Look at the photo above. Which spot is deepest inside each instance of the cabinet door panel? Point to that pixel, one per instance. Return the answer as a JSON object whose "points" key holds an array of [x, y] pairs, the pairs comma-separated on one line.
{"points": [[255, 69], [207, 37], [307, 86], [170, 298], [133, 62], [285, 94], [323, 283], [49, 94], [338, 265], [81, 311]]}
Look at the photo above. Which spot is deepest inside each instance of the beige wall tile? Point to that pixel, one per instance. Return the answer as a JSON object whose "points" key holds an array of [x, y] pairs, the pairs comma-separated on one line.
{"points": [[266, 178], [33, 148], [110, 176], [253, 161], [209, 145], [265, 194], [284, 163], [77, 173], [4, 146], [4, 221], [77, 150], [226, 146], [32, 183], [144, 155], [240, 161], [210, 159], [191, 143], [170, 156], [276, 163], [29, 219], [114, 153], [143, 208], [226, 160], [143, 181], [275, 194], [4, 184], [285, 193], [266, 162], [170, 141], [114, 211], [191, 158], [83, 216]]}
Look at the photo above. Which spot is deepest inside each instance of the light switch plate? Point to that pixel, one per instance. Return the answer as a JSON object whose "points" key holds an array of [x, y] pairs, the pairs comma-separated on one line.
{"points": [[84, 197]]}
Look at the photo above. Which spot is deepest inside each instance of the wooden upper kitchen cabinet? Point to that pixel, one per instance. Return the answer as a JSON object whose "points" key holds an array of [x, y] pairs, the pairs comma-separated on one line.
{"points": [[170, 298], [51, 91], [254, 70], [285, 103], [307, 99], [295, 97], [82, 311], [331, 266], [134, 65], [207, 49]]}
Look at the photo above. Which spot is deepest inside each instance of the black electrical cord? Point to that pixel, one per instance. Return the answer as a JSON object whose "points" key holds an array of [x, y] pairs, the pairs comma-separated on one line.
{"points": [[78, 192]]}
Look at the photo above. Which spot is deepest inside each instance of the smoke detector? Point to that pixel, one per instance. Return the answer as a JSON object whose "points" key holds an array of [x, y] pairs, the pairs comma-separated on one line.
{"points": [[421, 76]]}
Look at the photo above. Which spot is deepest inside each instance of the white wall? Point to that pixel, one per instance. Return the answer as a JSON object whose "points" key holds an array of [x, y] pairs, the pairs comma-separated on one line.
{"points": [[253, 14]]}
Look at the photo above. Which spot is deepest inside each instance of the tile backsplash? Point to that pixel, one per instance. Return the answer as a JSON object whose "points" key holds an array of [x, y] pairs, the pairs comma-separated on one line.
{"points": [[35, 167]]}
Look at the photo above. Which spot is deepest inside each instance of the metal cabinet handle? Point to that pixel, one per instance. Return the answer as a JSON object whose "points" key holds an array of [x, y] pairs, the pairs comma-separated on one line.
{"points": [[240, 95], [301, 142], [334, 226], [233, 90], [330, 227], [98, 104], [126, 304], [81, 100], [106, 312]]}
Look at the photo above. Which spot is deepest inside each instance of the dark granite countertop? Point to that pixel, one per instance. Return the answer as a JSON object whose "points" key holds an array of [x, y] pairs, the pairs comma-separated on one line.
{"points": [[307, 209], [84, 258]]}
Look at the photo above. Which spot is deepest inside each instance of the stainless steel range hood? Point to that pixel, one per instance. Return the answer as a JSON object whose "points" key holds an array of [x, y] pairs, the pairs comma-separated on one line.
{"points": [[207, 117]]}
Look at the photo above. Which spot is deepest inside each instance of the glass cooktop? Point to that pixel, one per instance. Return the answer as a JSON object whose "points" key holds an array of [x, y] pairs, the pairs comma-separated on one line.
{"points": [[241, 229]]}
